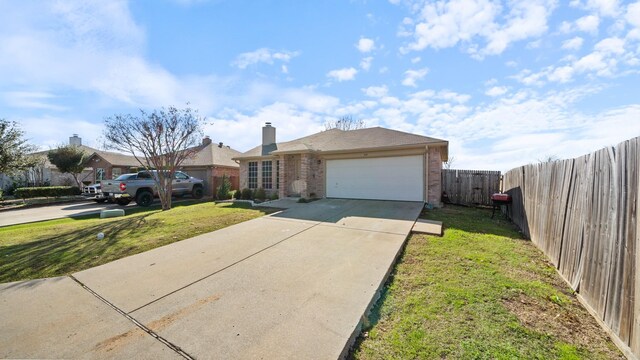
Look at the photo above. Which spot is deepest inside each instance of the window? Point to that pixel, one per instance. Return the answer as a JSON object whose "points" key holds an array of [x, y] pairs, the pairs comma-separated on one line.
{"points": [[277, 174], [181, 176], [144, 175], [126, 177], [253, 174], [267, 180], [115, 172], [100, 174]]}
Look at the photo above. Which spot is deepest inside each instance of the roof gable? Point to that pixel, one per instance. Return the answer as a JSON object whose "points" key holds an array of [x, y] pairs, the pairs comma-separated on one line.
{"points": [[213, 155]]}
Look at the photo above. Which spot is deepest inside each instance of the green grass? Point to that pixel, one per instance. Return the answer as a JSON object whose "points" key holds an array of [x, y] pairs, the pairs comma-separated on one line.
{"points": [[63, 246], [478, 292]]}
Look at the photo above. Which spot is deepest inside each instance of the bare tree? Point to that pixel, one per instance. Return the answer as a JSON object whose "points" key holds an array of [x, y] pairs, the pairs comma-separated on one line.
{"points": [[160, 140], [344, 123], [35, 173], [549, 158], [447, 164]]}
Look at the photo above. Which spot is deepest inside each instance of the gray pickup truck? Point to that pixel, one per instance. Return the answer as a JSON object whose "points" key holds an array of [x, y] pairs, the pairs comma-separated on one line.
{"points": [[141, 187]]}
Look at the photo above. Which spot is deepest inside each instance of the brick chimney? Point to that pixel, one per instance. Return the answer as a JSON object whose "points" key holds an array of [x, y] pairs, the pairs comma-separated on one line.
{"points": [[206, 140], [268, 134], [75, 140]]}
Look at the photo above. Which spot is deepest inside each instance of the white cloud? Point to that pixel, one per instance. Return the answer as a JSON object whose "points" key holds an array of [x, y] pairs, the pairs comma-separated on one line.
{"points": [[573, 44], [603, 61], [376, 91], [592, 62], [40, 132], [290, 121], [589, 24], [602, 7], [416, 60], [633, 14], [343, 74], [412, 76], [447, 24], [365, 45], [611, 45], [31, 100], [561, 74], [365, 63], [526, 19], [263, 55], [91, 48], [496, 91]]}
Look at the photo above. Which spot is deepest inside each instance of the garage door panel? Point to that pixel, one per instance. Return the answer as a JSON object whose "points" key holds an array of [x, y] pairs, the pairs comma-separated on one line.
{"points": [[390, 178]]}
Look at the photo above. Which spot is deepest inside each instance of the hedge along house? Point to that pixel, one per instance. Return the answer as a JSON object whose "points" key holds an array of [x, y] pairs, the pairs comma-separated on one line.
{"points": [[371, 163]]}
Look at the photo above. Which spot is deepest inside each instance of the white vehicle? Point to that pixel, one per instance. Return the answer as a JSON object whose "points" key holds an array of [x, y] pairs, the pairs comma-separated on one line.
{"points": [[94, 192]]}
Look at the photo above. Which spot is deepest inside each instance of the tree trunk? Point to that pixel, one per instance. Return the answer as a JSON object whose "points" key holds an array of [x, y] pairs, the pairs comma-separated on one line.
{"points": [[165, 195], [76, 178]]}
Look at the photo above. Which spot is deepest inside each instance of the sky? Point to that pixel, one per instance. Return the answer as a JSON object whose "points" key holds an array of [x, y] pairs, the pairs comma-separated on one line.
{"points": [[505, 82]]}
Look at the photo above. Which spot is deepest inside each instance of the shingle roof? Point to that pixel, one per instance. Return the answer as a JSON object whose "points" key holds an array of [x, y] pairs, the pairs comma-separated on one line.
{"points": [[341, 140], [88, 150], [213, 154], [115, 158]]}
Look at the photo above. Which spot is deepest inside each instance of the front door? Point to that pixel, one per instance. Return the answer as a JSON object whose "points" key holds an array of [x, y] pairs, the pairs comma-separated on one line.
{"points": [[296, 184]]}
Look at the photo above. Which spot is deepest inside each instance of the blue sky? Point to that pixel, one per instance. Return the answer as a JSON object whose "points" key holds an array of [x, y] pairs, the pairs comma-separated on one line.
{"points": [[507, 83]]}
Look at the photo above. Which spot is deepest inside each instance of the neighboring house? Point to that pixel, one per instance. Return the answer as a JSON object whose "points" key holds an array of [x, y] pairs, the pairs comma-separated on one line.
{"points": [[47, 173], [371, 163], [211, 162], [109, 165]]}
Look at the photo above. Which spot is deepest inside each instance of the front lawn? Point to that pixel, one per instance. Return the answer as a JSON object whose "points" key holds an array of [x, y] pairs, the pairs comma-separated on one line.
{"points": [[479, 292], [63, 246]]}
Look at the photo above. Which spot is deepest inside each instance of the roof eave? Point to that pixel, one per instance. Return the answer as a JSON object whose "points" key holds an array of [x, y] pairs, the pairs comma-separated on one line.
{"points": [[387, 148], [253, 157]]}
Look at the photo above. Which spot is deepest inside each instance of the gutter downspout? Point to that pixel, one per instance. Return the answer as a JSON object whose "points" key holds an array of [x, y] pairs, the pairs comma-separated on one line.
{"points": [[426, 175]]}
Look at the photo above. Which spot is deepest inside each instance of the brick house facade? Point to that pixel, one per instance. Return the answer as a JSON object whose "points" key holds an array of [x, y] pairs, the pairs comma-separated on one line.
{"points": [[299, 167]]}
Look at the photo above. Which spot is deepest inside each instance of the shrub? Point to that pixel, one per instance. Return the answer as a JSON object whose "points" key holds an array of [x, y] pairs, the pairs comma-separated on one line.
{"points": [[247, 194], [1, 194], [223, 191], [273, 196], [47, 191], [260, 194], [237, 194]]}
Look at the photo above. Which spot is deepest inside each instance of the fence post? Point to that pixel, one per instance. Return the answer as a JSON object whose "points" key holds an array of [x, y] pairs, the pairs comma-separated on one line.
{"points": [[634, 341]]}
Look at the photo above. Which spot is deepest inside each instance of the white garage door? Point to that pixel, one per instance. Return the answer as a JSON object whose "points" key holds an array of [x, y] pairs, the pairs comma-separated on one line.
{"points": [[389, 178]]}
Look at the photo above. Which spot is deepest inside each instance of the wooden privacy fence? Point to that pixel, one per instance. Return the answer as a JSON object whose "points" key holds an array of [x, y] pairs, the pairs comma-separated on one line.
{"points": [[583, 213], [470, 187]]}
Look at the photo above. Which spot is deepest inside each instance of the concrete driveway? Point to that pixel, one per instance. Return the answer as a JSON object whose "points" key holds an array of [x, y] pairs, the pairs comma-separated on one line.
{"points": [[294, 284], [49, 212]]}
